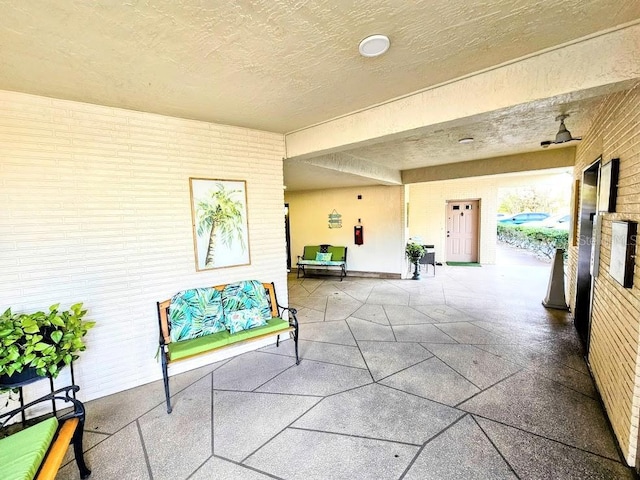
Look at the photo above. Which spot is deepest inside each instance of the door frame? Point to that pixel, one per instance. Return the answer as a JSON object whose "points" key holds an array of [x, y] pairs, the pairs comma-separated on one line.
{"points": [[587, 252], [287, 235], [478, 227]]}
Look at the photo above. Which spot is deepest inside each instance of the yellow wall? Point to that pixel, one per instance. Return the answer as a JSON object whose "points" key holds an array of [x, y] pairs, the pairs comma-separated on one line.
{"points": [[613, 354], [427, 203], [381, 214]]}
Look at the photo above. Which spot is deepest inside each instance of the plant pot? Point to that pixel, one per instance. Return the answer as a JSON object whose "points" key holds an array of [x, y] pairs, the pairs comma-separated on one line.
{"points": [[416, 271], [28, 375]]}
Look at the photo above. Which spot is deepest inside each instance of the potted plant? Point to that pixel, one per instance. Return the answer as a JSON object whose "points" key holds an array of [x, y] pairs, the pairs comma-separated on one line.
{"points": [[414, 252], [40, 344]]}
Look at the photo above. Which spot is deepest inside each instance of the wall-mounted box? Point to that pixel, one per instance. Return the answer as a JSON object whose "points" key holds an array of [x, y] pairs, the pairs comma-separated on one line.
{"points": [[623, 252]]}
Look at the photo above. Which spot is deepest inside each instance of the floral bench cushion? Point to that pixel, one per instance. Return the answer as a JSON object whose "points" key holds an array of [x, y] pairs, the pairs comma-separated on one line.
{"points": [[245, 295], [195, 313]]}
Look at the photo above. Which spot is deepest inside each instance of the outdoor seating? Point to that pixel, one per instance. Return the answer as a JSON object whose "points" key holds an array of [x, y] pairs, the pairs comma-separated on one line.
{"points": [[202, 320], [323, 257], [38, 450]]}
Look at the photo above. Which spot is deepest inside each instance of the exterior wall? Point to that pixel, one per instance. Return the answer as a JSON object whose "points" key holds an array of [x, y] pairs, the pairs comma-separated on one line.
{"points": [[427, 216], [427, 204], [614, 342], [95, 207], [380, 211]]}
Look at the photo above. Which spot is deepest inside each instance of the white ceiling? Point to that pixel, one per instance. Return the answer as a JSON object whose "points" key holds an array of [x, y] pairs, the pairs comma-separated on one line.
{"points": [[280, 66]]}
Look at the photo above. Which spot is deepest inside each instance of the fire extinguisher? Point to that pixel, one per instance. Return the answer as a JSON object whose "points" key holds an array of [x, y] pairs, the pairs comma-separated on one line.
{"points": [[358, 235]]}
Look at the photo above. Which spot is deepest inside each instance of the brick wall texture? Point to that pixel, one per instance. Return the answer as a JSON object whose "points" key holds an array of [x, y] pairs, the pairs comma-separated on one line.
{"points": [[613, 354], [95, 208]]}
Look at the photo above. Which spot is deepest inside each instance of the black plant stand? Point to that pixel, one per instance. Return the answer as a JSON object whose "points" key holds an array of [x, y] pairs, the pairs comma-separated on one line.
{"points": [[24, 381], [416, 270]]}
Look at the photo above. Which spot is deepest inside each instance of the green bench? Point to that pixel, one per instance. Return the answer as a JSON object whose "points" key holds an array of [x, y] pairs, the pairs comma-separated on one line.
{"points": [[37, 451], [323, 257], [202, 320]]}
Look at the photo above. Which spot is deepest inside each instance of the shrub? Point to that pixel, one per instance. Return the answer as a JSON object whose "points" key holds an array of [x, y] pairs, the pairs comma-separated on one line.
{"points": [[541, 241]]}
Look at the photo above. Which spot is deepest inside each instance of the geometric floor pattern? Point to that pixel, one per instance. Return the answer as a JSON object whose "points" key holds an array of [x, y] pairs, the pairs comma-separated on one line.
{"points": [[461, 375]]}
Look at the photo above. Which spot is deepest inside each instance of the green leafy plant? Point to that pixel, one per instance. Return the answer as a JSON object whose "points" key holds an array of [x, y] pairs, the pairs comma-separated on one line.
{"points": [[541, 241], [43, 341], [414, 251]]}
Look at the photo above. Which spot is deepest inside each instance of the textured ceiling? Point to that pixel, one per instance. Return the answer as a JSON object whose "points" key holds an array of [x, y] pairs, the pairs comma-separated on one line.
{"points": [[282, 66], [272, 64], [495, 134]]}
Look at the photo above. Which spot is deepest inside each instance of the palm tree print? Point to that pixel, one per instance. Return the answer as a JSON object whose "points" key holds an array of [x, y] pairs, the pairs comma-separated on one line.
{"points": [[220, 215]]}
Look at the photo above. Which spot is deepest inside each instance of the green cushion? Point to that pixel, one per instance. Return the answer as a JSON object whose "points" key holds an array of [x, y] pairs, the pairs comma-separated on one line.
{"points": [[186, 348], [22, 453], [337, 253], [273, 325]]}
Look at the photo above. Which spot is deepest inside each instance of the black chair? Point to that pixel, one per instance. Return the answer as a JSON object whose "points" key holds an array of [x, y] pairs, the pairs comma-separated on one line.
{"points": [[428, 258]]}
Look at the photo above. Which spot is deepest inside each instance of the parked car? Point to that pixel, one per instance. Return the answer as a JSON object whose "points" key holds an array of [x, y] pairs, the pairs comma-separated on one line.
{"points": [[560, 222], [525, 217]]}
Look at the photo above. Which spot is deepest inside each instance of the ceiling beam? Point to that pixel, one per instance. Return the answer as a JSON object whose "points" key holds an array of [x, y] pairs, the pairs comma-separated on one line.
{"points": [[584, 69], [525, 162], [345, 163]]}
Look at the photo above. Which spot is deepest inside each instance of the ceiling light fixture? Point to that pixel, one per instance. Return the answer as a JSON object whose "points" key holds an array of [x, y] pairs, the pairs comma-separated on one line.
{"points": [[374, 45], [466, 140]]}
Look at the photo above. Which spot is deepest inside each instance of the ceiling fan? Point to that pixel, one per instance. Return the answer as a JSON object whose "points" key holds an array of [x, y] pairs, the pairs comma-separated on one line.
{"points": [[562, 136]]}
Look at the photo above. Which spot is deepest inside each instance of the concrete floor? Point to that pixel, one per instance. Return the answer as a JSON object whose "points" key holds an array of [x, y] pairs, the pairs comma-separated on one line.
{"points": [[460, 375]]}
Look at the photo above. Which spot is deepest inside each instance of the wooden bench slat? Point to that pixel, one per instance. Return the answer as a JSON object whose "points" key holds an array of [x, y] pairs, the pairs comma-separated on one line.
{"points": [[58, 450]]}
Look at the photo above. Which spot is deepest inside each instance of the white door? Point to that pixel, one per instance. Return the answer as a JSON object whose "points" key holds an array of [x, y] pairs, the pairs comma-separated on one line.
{"points": [[462, 230]]}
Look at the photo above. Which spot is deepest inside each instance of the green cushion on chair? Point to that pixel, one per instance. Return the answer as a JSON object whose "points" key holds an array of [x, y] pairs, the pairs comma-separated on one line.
{"points": [[273, 325], [22, 453], [186, 348]]}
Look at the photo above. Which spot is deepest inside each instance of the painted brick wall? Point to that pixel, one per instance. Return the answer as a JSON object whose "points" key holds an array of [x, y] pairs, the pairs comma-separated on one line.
{"points": [[613, 354], [95, 207]]}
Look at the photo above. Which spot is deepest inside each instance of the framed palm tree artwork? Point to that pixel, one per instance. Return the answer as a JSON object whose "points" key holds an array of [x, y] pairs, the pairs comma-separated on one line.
{"points": [[220, 230]]}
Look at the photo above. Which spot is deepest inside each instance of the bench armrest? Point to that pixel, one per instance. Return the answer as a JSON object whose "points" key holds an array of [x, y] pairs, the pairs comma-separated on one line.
{"points": [[78, 407], [293, 319]]}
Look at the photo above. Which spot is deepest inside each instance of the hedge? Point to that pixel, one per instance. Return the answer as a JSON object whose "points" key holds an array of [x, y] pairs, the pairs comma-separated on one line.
{"points": [[541, 241]]}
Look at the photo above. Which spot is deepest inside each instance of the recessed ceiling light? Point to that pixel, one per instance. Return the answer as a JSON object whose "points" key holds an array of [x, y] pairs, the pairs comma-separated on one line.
{"points": [[374, 45], [466, 140]]}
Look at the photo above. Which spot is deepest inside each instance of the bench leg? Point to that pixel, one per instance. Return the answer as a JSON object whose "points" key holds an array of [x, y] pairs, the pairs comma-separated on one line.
{"points": [[295, 340], [278, 341], [165, 376], [77, 450]]}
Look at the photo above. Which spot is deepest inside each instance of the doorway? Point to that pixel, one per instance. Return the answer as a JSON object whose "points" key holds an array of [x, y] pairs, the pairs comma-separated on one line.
{"points": [[462, 230], [586, 252], [287, 235]]}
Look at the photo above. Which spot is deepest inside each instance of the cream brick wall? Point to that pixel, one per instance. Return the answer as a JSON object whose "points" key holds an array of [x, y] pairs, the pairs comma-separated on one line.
{"points": [[380, 211], [95, 207], [614, 353]]}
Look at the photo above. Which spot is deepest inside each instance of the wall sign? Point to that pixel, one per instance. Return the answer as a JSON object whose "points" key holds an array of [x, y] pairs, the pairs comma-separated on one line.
{"points": [[335, 219], [608, 186]]}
